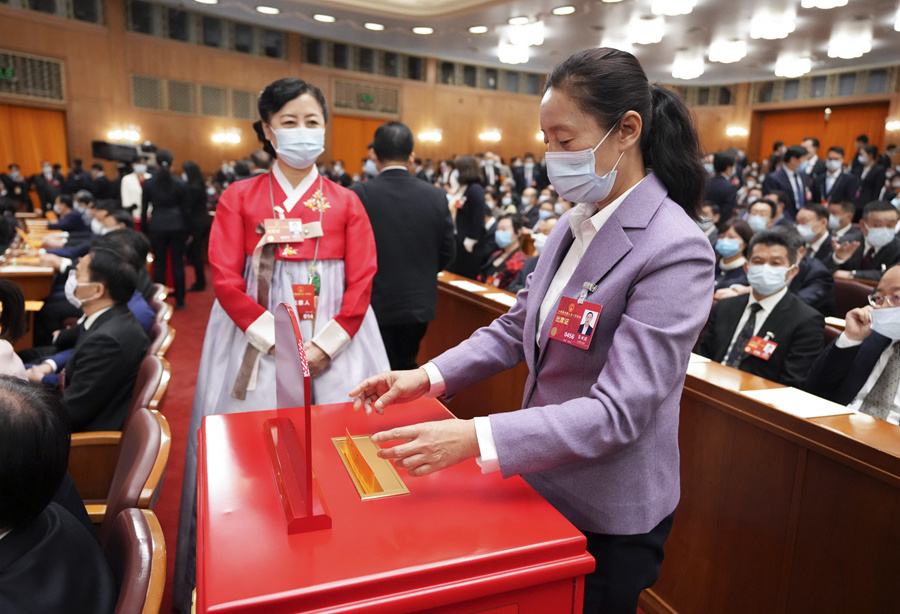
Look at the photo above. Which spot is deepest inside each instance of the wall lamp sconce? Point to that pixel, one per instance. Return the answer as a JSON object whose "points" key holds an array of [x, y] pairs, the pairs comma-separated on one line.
{"points": [[736, 131], [232, 136]]}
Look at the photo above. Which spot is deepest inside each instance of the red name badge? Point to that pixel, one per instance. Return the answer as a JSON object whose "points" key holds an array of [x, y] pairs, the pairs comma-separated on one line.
{"points": [[760, 347], [575, 323], [305, 296], [283, 231]]}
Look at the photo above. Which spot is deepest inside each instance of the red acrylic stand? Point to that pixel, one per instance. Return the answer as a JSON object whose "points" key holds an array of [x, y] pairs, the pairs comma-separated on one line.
{"points": [[290, 452]]}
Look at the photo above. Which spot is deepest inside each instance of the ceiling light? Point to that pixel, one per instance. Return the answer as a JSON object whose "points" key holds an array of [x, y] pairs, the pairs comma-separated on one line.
{"points": [[770, 26], [527, 35], [423, 30], [518, 21], [563, 10], [850, 39], [611, 1], [478, 29], [268, 10], [323, 18], [490, 135], [377, 27], [688, 65], [790, 65], [822, 4], [672, 7], [736, 131], [727, 52], [646, 30], [431, 135], [512, 54], [207, 1]]}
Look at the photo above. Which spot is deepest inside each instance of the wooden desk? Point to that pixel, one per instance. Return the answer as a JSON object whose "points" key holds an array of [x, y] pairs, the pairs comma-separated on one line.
{"points": [[460, 313]]}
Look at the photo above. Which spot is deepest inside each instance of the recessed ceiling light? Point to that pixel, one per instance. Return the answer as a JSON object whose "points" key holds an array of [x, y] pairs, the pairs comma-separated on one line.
{"points": [[208, 1], [374, 26], [268, 10], [423, 30], [518, 21], [564, 10], [478, 29], [323, 18]]}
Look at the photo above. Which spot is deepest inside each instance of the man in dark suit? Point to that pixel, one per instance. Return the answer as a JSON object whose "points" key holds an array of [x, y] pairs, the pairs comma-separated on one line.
{"points": [[70, 220], [719, 189], [856, 165], [49, 561], [587, 326], [109, 344], [414, 239], [814, 164], [871, 176], [860, 368], [768, 332], [834, 185], [491, 170], [77, 179], [340, 175], [101, 187], [48, 185], [812, 224], [879, 250], [790, 180], [530, 175], [840, 222]]}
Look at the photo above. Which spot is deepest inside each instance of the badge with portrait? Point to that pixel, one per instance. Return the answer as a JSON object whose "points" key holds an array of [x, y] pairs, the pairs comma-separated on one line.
{"points": [[575, 323], [761, 347], [305, 298], [283, 231]]}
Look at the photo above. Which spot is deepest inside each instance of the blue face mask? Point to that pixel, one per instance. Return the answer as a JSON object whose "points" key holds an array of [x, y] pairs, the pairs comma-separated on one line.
{"points": [[503, 238], [806, 232], [802, 167], [834, 222], [879, 237], [558, 209], [728, 247], [574, 174], [543, 214], [369, 168], [709, 168], [757, 223], [767, 280]]}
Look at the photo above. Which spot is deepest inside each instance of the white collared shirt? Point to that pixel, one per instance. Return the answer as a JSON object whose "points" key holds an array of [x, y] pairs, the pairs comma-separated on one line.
{"points": [[293, 194], [816, 245], [894, 414], [766, 307], [395, 167]]}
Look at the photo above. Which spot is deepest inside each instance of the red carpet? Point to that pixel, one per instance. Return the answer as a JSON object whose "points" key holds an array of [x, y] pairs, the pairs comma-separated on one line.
{"points": [[184, 357]]}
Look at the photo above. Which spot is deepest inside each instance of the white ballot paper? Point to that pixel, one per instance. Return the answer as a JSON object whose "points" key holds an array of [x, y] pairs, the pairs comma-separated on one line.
{"points": [[801, 404], [506, 299], [467, 285]]}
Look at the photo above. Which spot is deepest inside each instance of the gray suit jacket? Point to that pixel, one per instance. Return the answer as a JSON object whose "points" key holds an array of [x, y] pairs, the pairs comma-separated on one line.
{"points": [[598, 437]]}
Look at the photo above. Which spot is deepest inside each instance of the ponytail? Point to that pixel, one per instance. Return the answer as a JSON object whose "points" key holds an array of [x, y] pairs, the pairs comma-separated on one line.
{"points": [[671, 149]]}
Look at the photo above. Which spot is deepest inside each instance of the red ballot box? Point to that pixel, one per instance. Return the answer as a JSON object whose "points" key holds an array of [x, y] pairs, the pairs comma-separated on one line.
{"points": [[459, 541]]}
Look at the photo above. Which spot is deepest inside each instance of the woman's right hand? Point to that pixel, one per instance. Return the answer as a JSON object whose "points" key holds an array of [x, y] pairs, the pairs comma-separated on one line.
{"points": [[388, 387]]}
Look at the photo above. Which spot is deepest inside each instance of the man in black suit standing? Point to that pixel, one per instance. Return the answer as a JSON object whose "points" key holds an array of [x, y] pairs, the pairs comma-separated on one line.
{"points": [[109, 343], [719, 189], [855, 164], [530, 175], [877, 252], [790, 180], [414, 239], [48, 185], [814, 164], [49, 561], [834, 185], [861, 368], [768, 332]]}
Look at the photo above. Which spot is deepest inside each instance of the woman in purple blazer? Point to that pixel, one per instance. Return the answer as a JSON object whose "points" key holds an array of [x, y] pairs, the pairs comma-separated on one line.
{"points": [[598, 432]]}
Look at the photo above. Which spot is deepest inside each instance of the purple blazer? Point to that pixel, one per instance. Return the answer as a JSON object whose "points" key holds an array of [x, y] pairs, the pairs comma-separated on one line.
{"points": [[598, 435]]}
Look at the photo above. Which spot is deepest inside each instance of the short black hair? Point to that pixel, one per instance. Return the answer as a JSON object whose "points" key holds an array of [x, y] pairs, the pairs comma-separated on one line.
{"points": [[877, 205], [778, 235], [107, 204], [722, 160], [84, 196], [121, 216], [780, 195], [795, 151], [777, 145], [65, 199], [97, 166], [34, 450], [393, 142], [820, 211], [769, 202], [134, 246], [113, 269], [837, 149], [261, 159], [863, 138], [847, 206], [871, 150], [814, 140], [713, 206], [12, 319], [516, 220]]}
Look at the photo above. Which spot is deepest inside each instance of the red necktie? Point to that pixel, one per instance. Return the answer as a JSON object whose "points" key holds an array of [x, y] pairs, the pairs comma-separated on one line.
{"points": [[867, 259]]}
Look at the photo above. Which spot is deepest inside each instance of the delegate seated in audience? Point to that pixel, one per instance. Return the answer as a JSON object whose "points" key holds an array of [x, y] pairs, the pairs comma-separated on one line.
{"points": [[813, 284], [70, 220], [540, 239], [812, 224], [109, 344], [504, 264], [768, 332], [762, 214], [709, 221], [781, 202], [840, 223], [732, 250], [834, 185], [49, 561], [879, 250], [861, 368], [12, 327], [530, 207]]}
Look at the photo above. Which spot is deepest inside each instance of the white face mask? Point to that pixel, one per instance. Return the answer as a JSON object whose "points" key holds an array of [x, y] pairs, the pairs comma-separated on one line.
{"points": [[140, 169], [299, 147], [97, 228], [574, 175], [539, 241], [71, 284], [886, 322]]}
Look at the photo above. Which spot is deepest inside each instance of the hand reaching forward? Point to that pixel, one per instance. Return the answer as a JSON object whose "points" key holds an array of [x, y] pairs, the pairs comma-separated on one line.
{"points": [[430, 446], [388, 387]]}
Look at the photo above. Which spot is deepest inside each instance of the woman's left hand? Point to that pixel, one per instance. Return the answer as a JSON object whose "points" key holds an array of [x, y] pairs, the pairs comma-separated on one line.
{"points": [[315, 358], [430, 446]]}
